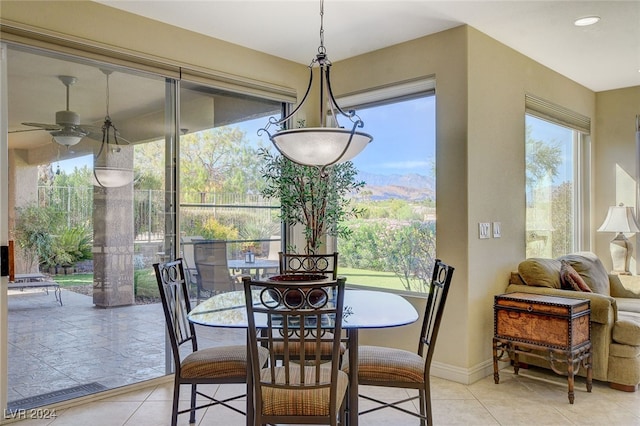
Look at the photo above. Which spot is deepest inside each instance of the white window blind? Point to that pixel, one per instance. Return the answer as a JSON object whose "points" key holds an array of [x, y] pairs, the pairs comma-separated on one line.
{"points": [[549, 111]]}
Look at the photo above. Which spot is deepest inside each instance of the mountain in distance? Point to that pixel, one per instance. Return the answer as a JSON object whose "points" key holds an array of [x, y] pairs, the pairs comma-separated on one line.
{"points": [[410, 187]]}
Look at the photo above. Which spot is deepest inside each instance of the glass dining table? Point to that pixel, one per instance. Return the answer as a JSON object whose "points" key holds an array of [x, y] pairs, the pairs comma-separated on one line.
{"points": [[363, 309]]}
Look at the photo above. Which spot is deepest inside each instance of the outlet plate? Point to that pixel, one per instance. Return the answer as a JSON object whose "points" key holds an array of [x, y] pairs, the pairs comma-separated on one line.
{"points": [[484, 228], [497, 229]]}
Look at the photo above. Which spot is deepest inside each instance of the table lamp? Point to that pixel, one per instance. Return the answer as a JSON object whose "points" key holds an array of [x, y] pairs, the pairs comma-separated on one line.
{"points": [[620, 219]]}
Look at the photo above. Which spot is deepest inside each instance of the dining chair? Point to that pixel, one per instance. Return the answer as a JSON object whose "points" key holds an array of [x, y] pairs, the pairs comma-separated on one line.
{"points": [[301, 387], [217, 365], [325, 264], [397, 368], [322, 264], [213, 274]]}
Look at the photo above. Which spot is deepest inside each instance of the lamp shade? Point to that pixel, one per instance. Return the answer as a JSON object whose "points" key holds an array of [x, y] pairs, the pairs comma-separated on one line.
{"points": [[620, 219], [320, 146], [111, 177]]}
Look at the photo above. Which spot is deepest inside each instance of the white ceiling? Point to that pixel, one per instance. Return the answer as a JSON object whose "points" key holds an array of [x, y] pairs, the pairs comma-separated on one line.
{"points": [[601, 57]]}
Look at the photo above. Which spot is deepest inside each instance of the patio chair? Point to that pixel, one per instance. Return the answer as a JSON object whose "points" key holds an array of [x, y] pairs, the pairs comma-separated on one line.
{"points": [[213, 274], [218, 365], [188, 260], [396, 368], [325, 264], [302, 388]]}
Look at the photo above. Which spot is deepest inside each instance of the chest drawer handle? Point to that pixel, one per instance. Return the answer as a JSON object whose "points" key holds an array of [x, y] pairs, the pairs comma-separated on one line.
{"points": [[529, 308]]}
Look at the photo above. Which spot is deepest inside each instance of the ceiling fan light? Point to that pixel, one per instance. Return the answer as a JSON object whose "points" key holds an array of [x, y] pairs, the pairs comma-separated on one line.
{"points": [[67, 138]]}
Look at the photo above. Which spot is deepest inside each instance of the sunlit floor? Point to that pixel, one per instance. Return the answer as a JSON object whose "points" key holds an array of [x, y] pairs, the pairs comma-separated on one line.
{"points": [[53, 347]]}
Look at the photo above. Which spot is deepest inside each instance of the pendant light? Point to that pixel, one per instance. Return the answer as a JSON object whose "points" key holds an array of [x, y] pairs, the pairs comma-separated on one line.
{"points": [[320, 146], [107, 176]]}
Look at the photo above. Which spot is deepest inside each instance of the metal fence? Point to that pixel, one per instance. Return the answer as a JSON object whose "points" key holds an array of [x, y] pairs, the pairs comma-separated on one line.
{"points": [[240, 211]]}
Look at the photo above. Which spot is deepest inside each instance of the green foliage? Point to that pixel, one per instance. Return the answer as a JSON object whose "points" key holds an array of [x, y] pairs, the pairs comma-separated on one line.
{"points": [[319, 202], [42, 234], [32, 233], [219, 159], [214, 230], [411, 253], [542, 159], [406, 248], [363, 250], [72, 245]]}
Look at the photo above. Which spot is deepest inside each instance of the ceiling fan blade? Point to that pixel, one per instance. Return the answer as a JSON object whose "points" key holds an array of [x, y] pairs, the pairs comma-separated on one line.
{"points": [[25, 130], [44, 126]]}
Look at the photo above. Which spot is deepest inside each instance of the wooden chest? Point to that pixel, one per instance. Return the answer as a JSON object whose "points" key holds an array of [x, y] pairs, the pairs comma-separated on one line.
{"points": [[548, 321]]}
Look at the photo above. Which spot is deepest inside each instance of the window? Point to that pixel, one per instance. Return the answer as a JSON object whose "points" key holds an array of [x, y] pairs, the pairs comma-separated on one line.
{"points": [[393, 242], [220, 174], [556, 189]]}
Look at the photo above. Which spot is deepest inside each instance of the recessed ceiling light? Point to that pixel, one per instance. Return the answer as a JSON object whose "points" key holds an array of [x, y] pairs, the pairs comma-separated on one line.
{"points": [[587, 20]]}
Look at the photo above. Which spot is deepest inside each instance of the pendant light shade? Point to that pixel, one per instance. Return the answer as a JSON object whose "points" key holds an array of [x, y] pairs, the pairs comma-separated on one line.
{"points": [[111, 177], [320, 146]]}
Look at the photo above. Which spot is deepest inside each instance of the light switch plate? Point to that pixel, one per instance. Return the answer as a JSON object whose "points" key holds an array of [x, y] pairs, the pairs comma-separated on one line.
{"points": [[483, 230], [497, 230]]}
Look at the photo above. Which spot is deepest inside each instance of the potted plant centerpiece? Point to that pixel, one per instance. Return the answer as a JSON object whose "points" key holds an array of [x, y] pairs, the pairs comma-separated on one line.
{"points": [[317, 199]]}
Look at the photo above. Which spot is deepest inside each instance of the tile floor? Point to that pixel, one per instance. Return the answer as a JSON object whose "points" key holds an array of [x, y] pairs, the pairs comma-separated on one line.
{"points": [[533, 398], [536, 396]]}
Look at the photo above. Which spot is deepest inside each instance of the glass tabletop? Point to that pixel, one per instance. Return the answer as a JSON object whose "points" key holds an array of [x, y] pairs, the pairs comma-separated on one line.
{"points": [[362, 309]]}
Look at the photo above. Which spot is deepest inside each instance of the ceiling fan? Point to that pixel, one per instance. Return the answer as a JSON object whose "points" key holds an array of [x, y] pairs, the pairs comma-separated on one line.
{"points": [[67, 130]]}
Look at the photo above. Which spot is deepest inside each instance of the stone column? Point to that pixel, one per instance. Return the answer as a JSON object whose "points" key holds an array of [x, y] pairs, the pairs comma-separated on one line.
{"points": [[113, 236]]}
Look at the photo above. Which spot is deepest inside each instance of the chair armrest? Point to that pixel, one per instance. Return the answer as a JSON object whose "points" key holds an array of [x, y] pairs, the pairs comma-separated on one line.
{"points": [[603, 308], [625, 286]]}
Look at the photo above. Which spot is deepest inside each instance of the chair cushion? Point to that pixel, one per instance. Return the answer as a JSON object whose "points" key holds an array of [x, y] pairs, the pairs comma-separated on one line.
{"points": [[381, 364], [300, 402], [540, 272], [627, 329], [218, 362]]}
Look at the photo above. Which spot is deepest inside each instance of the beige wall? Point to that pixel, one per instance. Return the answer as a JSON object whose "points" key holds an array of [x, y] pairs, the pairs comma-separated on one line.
{"points": [[480, 141], [480, 130], [615, 162]]}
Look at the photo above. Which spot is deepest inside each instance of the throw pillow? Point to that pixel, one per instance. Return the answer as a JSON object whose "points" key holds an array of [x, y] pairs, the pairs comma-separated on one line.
{"points": [[540, 272], [571, 280], [591, 270]]}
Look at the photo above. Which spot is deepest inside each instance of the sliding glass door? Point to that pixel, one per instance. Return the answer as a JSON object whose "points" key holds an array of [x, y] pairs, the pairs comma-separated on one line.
{"points": [[80, 216]]}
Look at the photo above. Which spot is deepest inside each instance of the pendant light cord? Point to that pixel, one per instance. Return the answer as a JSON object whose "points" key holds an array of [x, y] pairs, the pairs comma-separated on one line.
{"points": [[321, 48]]}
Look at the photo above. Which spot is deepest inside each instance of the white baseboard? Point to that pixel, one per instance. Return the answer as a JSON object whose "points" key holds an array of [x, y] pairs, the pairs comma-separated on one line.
{"points": [[465, 376]]}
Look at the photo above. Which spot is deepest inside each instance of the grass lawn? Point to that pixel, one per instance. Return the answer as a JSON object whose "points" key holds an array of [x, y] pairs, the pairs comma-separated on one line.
{"points": [[145, 281], [371, 278], [73, 280]]}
